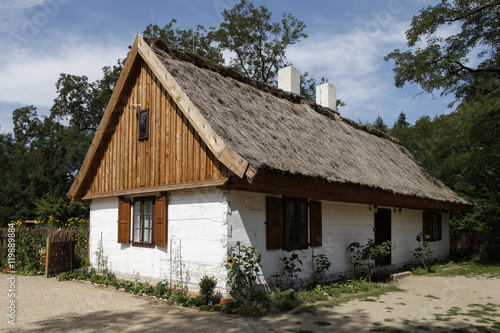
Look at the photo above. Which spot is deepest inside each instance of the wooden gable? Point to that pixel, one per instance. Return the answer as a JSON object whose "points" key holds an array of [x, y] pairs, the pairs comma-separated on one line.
{"points": [[181, 151], [173, 153]]}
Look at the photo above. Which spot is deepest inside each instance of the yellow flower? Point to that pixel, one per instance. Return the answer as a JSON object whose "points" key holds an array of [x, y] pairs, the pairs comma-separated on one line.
{"points": [[230, 261]]}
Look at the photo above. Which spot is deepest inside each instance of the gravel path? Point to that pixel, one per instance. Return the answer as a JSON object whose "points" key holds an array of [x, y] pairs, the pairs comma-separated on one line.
{"points": [[47, 305]]}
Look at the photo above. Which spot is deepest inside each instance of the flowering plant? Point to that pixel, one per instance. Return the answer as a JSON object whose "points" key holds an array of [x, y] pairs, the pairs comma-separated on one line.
{"points": [[243, 265]]}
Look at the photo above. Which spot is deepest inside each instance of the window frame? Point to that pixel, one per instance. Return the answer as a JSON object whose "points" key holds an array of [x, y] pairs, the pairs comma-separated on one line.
{"points": [[142, 217], [434, 219], [297, 244], [433, 225], [140, 125]]}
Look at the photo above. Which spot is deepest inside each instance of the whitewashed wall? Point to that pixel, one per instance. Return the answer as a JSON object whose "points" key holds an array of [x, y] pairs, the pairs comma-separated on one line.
{"points": [[406, 225], [343, 223], [197, 236], [203, 222]]}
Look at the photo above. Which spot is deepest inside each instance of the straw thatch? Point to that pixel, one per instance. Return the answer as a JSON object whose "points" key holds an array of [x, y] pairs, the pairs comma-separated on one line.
{"points": [[280, 131]]}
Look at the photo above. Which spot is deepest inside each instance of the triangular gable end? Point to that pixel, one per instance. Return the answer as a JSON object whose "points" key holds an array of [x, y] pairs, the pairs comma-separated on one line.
{"points": [[108, 168]]}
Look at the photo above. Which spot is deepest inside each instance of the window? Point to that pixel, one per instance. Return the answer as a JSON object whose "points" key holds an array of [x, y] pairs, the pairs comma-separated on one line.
{"points": [[433, 226], [143, 124], [143, 222], [288, 225], [149, 224], [294, 223]]}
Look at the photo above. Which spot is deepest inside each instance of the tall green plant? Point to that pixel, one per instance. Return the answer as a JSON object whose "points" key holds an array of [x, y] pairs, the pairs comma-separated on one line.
{"points": [[243, 265], [423, 253], [291, 266], [321, 267], [370, 255]]}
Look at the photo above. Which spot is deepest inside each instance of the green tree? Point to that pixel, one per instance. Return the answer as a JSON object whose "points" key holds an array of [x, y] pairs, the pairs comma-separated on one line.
{"points": [[466, 64], [461, 148], [197, 41], [42, 157], [259, 44], [380, 125]]}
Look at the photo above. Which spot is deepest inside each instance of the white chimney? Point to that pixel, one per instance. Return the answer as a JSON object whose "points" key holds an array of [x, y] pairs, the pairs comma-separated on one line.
{"points": [[326, 96], [289, 79]]}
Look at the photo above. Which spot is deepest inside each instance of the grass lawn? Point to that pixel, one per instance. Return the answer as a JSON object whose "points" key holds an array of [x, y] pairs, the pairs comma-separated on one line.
{"points": [[486, 268]]}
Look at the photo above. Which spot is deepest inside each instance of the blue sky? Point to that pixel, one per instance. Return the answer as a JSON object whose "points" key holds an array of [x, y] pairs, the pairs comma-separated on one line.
{"points": [[346, 44]]}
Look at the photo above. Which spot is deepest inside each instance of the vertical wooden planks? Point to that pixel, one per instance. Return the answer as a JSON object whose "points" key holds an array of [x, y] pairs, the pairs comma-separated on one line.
{"points": [[168, 137], [173, 152], [190, 152]]}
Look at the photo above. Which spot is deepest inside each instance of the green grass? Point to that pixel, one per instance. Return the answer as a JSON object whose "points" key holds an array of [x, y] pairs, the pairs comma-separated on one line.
{"points": [[432, 296], [487, 268], [346, 298]]}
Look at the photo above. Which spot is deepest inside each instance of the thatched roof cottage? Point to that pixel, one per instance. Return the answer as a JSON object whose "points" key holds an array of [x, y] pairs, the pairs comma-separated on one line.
{"points": [[191, 157]]}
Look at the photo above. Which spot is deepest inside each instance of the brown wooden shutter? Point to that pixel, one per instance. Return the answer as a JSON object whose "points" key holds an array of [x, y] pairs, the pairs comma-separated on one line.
{"points": [[316, 224], [439, 227], [161, 222], [425, 226], [273, 223], [124, 221]]}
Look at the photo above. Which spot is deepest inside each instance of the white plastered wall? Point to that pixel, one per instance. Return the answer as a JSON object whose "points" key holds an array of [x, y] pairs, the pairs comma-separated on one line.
{"points": [[197, 237], [343, 223]]}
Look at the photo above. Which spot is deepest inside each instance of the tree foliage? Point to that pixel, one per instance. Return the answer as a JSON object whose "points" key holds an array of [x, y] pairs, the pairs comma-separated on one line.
{"points": [[41, 158], [466, 63], [198, 41], [256, 43], [259, 44]]}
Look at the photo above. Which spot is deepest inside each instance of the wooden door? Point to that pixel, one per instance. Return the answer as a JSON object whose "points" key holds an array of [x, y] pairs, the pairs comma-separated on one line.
{"points": [[383, 230]]}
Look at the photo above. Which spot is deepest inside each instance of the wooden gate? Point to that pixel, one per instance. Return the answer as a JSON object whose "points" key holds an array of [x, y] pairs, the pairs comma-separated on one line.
{"points": [[59, 253]]}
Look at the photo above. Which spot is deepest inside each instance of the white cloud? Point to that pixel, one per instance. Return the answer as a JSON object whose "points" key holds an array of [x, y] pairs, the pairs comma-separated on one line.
{"points": [[29, 78], [24, 3], [353, 62]]}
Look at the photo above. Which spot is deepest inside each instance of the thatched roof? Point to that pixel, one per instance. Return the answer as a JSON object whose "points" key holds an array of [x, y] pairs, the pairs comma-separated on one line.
{"points": [[280, 131]]}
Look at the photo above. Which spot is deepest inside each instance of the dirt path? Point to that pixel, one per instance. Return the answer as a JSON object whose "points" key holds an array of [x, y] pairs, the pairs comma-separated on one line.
{"points": [[432, 304], [426, 304]]}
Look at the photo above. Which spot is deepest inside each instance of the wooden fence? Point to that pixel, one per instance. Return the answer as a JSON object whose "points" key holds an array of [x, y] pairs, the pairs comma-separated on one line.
{"points": [[59, 252]]}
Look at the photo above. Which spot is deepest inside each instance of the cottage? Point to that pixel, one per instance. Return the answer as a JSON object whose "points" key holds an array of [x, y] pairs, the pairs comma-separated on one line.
{"points": [[191, 157]]}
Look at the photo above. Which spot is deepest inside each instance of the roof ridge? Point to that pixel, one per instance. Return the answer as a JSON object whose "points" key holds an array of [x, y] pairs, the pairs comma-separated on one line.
{"points": [[224, 71]]}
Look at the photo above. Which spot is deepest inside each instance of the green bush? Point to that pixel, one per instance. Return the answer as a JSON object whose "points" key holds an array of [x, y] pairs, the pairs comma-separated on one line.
{"points": [[283, 300], [419, 270], [232, 307], [161, 288], [217, 307], [205, 308], [207, 288], [251, 308]]}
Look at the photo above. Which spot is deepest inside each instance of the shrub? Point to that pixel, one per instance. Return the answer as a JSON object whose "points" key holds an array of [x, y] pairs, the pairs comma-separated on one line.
{"points": [[370, 255], [418, 270], [251, 308], [232, 306], [423, 253], [283, 300], [217, 307], [207, 288], [205, 308], [291, 267], [161, 288], [321, 267], [243, 265]]}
